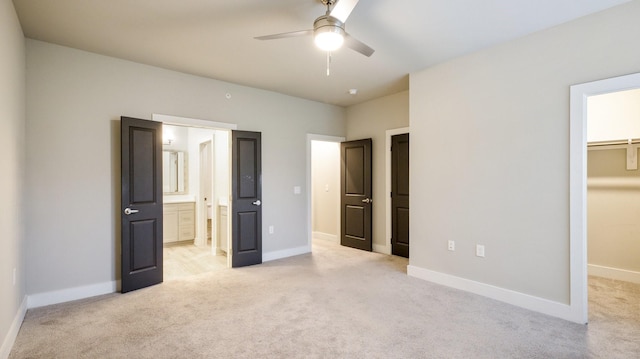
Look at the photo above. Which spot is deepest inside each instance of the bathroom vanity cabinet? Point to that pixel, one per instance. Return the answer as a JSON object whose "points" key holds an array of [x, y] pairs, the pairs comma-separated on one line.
{"points": [[179, 222]]}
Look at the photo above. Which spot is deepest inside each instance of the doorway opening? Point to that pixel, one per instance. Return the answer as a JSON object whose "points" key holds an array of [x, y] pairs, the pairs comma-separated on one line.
{"points": [[613, 199], [323, 188], [580, 95], [196, 189]]}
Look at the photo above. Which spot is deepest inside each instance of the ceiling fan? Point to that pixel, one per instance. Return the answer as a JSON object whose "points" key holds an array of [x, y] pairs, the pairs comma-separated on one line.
{"points": [[328, 30]]}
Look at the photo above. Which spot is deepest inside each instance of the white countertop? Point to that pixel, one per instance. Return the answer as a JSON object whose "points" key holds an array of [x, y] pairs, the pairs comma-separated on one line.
{"points": [[178, 199]]}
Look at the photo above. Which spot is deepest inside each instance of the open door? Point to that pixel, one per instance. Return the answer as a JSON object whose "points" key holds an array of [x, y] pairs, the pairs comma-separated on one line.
{"points": [[356, 201], [400, 195], [246, 189], [206, 229], [141, 210]]}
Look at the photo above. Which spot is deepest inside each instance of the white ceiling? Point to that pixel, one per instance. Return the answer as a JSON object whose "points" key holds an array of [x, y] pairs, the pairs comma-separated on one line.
{"points": [[215, 39]]}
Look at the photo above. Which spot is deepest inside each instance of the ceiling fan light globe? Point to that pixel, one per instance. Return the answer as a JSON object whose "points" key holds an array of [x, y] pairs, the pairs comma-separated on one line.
{"points": [[328, 33], [328, 40]]}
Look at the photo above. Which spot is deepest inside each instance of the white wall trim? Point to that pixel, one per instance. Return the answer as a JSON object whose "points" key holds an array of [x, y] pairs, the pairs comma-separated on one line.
{"points": [[12, 334], [522, 300], [383, 249], [326, 237], [67, 295], [290, 252], [578, 184], [614, 273], [387, 181], [314, 137], [192, 122]]}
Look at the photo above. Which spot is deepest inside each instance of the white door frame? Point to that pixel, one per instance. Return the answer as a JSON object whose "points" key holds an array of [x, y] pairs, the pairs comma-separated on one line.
{"points": [[578, 185], [314, 137]]}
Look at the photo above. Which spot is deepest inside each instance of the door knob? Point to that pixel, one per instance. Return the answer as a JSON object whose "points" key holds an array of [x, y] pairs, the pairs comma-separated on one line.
{"points": [[129, 211], [257, 203], [367, 200]]}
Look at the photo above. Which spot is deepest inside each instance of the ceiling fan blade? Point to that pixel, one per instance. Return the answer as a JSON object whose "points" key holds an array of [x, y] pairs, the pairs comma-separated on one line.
{"points": [[357, 45], [285, 34], [342, 9]]}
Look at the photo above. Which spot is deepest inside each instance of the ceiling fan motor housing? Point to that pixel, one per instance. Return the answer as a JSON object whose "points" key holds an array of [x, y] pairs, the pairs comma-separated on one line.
{"points": [[327, 23]]}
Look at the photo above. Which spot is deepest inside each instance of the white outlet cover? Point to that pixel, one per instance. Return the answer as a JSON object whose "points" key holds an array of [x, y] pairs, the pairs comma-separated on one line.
{"points": [[480, 250]]}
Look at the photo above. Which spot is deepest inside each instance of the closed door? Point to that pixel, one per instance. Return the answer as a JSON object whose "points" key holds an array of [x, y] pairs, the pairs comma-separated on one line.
{"points": [[246, 188], [356, 202], [141, 203], [400, 195]]}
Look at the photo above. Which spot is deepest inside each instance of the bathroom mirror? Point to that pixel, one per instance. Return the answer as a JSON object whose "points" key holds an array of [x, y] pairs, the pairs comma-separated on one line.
{"points": [[174, 172]]}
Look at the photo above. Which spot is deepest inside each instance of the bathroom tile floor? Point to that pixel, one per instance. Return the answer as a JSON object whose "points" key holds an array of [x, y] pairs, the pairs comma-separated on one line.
{"points": [[186, 259]]}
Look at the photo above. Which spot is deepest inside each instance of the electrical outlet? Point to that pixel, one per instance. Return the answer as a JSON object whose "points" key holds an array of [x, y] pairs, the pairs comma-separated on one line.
{"points": [[479, 250], [271, 229], [451, 245]]}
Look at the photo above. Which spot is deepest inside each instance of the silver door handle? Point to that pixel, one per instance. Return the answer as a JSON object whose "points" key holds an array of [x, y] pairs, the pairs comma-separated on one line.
{"points": [[367, 200], [129, 211], [257, 203]]}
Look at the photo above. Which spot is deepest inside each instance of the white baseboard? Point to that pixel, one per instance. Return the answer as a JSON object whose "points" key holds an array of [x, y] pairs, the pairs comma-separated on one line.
{"points": [[614, 273], [541, 305], [325, 237], [271, 256], [378, 248], [382, 248], [12, 334], [67, 295]]}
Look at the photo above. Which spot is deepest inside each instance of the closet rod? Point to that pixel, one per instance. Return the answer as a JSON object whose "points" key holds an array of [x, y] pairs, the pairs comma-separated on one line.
{"points": [[631, 141]]}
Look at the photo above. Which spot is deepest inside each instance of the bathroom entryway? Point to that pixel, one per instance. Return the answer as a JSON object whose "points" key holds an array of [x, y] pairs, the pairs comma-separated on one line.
{"points": [[195, 207], [183, 260]]}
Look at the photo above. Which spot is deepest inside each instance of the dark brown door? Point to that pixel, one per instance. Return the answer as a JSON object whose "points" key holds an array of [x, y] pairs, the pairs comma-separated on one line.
{"points": [[141, 210], [400, 195], [356, 202], [246, 188]]}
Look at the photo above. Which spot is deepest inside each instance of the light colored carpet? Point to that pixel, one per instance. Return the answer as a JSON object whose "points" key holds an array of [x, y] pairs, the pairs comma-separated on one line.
{"points": [[334, 303]]}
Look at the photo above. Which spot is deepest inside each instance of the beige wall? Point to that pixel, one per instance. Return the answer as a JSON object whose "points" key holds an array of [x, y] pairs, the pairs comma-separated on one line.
{"points": [[371, 120], [490, 149], [221, 164], [325, 189], [75, 100], [12, 145], [613, 209]]}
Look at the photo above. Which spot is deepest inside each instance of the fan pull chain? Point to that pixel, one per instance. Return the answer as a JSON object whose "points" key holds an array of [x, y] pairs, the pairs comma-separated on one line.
{"points": [[328, 63]]}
